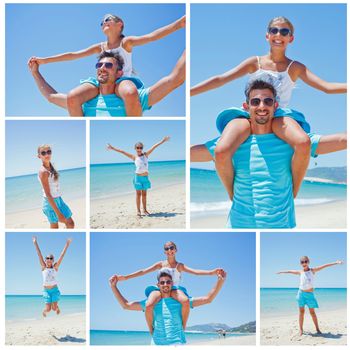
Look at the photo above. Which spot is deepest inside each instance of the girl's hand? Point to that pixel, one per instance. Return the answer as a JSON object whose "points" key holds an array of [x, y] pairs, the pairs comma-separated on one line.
{"points": [[339, 262], [38, 60], [166, 138], [69, 241], [62, 219], [183, 22], [113, 280], [121, 278], [217, 271], [34, 238], [109, 146]]}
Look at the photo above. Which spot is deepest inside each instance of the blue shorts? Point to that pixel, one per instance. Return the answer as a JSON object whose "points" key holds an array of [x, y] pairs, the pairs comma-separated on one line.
{"points": [[141, 183], [51, 295], [50, 213], [307, 298], [137, 81], [151, 289]]}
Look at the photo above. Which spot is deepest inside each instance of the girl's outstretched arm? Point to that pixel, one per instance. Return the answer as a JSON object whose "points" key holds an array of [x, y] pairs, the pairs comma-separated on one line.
{"points": [[319, 268], [294, 272], [184, 268], [245, 67], [131, 41], [58, 263], [165, 139], [36, 245], [129, 155], [69, 56], [154, 267], [316, 82]]}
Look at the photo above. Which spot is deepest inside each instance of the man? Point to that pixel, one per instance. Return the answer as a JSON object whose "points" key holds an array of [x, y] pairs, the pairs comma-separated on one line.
{"points": [[263, 188], [109, 70], [167, 329]]}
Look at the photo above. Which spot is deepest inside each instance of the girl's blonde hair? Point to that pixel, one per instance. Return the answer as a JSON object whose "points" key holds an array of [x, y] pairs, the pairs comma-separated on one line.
{"points": [[170, 242], [305, 258], [140, 144], [116, 19], [52, 170], [283, 20]]}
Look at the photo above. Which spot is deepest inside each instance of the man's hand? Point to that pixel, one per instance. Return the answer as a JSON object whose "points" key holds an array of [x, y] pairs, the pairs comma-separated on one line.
{"points": [[113, 281], [222, 275], [33, 65]]}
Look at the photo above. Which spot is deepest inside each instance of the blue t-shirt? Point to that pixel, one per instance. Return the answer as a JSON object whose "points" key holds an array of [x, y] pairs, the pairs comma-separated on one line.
{"points": [[263, 187], [167, 322], [110, 105]]}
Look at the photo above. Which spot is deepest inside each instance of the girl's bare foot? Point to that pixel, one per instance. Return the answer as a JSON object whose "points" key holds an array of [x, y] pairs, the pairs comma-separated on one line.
{"points": [[146, 212], [301, 333], [44, 313], [139, 214], [318, 331], [58, 311]]}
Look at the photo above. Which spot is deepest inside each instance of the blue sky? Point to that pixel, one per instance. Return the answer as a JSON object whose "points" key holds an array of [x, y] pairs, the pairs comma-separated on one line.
{"points": [[282, 251], [123, 253], [66, 137], [124, 135], [23, 270], [48, 29], [224, 35]]}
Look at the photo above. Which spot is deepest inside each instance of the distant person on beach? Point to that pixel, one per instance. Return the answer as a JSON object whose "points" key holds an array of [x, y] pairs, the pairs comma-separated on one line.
{"points": [[55, 209], [288, 124], [49, 268], [127, 84], [141, 181], [167, 324], [305, 296], [109, 70], [263, 185], [178, 292]]}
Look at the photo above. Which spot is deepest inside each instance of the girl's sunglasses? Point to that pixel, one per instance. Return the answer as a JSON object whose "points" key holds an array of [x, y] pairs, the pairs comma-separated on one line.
{"points": [[169, 248], [44, 153], [255, 102], [304, 262], [108, 19], [282, 31], [139, 147], [108, 65], [48, 258]]}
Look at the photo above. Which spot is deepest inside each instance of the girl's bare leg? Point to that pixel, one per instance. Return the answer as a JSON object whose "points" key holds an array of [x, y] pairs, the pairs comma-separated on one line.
{"points": [[152, 300], [127, 91], [138, 202], [301, 319], [291, 132], [183, 300], [70, 223], [46, 309], [55, 307], [234, 134], [54, 226], [332, 143], [314, 319], [200, 153], [144, 202], [78, 96]]}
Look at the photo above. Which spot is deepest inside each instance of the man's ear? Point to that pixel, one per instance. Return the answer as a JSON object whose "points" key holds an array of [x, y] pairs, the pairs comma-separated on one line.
{"points": [[119, 73], [245, 106], [276, 105]]}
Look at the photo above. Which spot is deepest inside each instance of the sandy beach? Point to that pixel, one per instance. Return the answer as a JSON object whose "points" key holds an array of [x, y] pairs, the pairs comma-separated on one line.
{"points": [[284, 330], [243, 340], [329, 215], [166, 205], [55, 330], [35, 218]]}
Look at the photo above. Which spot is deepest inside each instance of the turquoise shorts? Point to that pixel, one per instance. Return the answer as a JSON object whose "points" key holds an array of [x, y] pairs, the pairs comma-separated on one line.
{"points": [[50, 213], [51, 295], [141, 183], [307, 299], [151, 289]]}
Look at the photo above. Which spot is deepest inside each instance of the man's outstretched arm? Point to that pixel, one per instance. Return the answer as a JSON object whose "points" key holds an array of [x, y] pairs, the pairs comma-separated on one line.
{"points": [[169, 83], [133, 306], [207, 299], [47, 90]]}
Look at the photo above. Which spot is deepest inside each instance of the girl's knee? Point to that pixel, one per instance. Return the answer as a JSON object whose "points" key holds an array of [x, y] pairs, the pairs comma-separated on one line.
{"points": [[54, 307], [48, 307], [127, 90], [312, 312], [138, 193]]}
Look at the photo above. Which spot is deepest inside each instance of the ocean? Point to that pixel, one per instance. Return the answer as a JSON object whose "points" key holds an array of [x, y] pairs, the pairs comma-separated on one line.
{"points": [[25, 193], [208, 196], [143, 338], [282, 301], [109, 180], [29, 307]]}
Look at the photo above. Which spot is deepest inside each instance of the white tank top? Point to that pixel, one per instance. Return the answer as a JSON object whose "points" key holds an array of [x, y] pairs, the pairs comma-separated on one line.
{"points": [[128, 70], [175, 274], [49, 277], [141, 164], [306, 280], [281, 81], [53, 184]]}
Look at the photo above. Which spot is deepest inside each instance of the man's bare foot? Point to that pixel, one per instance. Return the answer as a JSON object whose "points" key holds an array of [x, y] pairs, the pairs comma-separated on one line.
{"points": [[44, 313], [146, 212]]}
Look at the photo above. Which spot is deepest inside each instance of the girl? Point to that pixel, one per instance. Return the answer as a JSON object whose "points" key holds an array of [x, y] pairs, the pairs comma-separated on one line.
{"points": [[112, 26], [305, 294], [282, 72], [55, 209], [178, 292], [49, 268], [141, 181]]}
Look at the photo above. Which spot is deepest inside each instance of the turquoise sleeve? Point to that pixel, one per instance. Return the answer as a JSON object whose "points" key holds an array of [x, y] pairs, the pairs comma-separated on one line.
{"points": [[315, 139], [211, 146], [143, 304], [143, 95]]}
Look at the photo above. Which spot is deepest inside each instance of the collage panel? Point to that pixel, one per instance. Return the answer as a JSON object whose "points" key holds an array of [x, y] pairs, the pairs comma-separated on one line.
{"points": [[45, 292], [86, 67], [45, 174], [262, 71], [315, 313], [162, 274], [137, 174]]}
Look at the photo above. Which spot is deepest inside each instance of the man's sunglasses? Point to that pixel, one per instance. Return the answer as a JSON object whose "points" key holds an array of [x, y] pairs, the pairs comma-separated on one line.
{"points": [[268, 101], [282, 31], [162, 283], [108, 65], [44, 153]]}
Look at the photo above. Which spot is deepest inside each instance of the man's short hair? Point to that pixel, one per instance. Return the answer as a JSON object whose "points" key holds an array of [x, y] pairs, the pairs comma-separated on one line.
{"points": [[259, 84], [119, 59], [164, 274]]}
